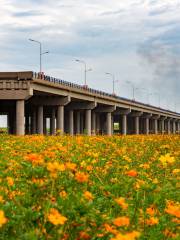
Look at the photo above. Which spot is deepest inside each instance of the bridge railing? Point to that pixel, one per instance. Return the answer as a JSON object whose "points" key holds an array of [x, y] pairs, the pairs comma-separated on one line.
{"points": [[94, 91]]}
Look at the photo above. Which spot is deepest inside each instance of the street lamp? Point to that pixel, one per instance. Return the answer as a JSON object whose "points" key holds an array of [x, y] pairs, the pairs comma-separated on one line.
{"points": [[85, 70], [133, 89], [40, 52], [113, 80]]}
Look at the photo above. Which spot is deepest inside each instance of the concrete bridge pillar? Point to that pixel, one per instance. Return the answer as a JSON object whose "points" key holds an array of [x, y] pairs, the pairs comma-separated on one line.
{"points": [[155, 126], [178, 127], [40, 120], [88, 122], [109, 123], [162, 126], [147, 126], [71, 122], [93, 123], [60, 120], [112, 124], [137, 125], [20, 117], [52, 121], [124, 124], [174, 127]]}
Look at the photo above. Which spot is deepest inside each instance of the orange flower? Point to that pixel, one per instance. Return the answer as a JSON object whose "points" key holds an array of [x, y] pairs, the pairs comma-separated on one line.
{"points": [[128, 236], [81, 177], [121, 202], [71, 166], [110, 229], [151, 210], [173, 209], [3, 219], [169, 234], [89, 168], [35, 158], [152, 221], [121, 221], [83, 235], [10, 181], [56, 218], [88, 196], [63, 194], [132, 173]]}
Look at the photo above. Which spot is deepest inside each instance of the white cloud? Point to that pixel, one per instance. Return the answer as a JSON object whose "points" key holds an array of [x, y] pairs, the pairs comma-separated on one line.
{"points": [[109, 35]]}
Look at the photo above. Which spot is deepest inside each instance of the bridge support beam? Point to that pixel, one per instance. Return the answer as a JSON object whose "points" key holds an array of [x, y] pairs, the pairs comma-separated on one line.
{"points": [[147, 126], [124, 124], [109, 123], [20, 117], [156, 126], [88, 122], [93, 117], [178, 127], [60, 120], [71, 122], [174, 126], [169, 126], [137, 125]]}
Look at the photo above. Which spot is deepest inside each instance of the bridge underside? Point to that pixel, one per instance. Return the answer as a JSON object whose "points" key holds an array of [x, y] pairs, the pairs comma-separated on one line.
{"points": [[35, 106]]}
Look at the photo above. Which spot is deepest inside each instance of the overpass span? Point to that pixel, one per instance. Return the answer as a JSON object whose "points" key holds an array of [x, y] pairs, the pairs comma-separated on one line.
{"points": [[29, 99]]}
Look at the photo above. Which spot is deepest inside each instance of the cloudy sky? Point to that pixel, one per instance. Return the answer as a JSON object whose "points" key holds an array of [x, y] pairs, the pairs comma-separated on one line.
{"points": [[137, 40]]}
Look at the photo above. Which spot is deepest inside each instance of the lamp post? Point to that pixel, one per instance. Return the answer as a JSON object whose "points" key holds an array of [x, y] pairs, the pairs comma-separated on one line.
{"points": [[40, 52], [133, 89], [85, 70], [113, 81]]}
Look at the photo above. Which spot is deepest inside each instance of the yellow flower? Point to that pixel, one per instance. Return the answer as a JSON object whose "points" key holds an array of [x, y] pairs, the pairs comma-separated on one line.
{"points": [[56, 218], [1, 199], [3, 219], [63, 194], [54, 167], [88, 196], [166, 159]]}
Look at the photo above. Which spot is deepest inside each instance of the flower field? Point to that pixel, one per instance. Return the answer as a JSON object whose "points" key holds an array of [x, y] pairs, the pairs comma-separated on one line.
{"points": [[109, 188]]}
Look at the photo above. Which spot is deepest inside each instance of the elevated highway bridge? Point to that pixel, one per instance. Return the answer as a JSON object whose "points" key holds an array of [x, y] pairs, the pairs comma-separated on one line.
{"points": [[28, 99]]}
